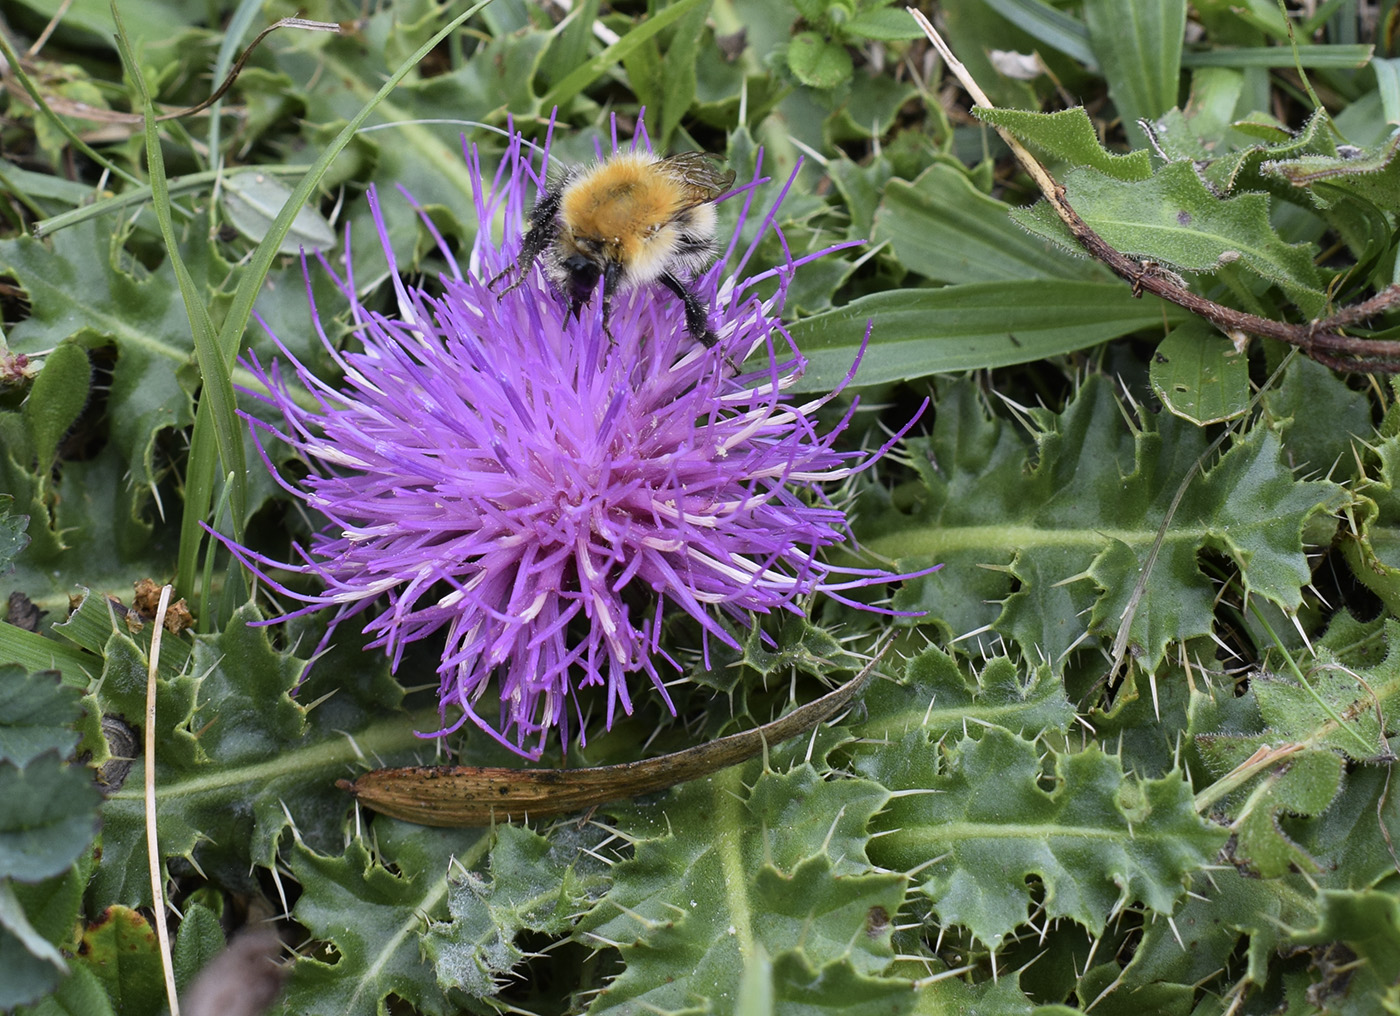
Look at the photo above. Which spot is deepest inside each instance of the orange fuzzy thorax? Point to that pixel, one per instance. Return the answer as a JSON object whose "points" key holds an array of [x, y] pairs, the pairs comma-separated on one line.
{"points": [[625, 208]]}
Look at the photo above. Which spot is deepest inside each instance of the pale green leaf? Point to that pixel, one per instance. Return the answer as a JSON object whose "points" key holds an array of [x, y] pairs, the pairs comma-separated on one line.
{"points": [[252, 200], [1200, 376], [1174, 220], [1068, 135], [819, 62]]}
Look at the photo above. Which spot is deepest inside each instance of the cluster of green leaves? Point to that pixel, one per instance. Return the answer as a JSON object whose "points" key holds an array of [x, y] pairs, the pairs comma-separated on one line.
{"points": [[1010, 823]]}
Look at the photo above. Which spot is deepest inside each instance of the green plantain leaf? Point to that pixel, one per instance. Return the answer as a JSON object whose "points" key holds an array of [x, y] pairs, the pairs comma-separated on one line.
{"points": [[968, 327], [1050, 556], [943, 227], [1138, 46], [1174, 220], [977, 822]]}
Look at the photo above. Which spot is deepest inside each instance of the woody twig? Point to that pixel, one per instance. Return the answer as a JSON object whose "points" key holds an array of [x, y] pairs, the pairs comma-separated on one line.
{"points": [[1322, 339]]}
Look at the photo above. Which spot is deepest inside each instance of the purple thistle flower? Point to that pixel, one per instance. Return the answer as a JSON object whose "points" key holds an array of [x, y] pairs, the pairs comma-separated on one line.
{"points": [[542, 490]]}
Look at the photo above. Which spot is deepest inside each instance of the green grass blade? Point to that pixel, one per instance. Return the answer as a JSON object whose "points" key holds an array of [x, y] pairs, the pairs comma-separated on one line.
{"points": [[580, 78], [214, 369]]}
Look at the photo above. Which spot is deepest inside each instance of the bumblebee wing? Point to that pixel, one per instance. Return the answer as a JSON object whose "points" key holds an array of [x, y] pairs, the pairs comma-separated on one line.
{"points": [[699, 176]]}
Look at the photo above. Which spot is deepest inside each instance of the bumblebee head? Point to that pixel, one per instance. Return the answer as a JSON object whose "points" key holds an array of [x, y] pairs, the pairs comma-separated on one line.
{"points": [[583, 273]]}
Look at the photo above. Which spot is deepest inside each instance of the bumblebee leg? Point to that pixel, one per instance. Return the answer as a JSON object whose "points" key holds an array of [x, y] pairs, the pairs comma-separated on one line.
{"points": [[544, 227], [695, 316], [612, 273]]}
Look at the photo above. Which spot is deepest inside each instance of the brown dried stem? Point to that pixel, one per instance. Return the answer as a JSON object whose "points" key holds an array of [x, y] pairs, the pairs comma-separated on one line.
{"points": [[1321, 339]]}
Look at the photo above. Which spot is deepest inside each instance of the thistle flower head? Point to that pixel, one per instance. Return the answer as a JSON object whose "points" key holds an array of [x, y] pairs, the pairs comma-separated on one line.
{"points": [[540, 492]]}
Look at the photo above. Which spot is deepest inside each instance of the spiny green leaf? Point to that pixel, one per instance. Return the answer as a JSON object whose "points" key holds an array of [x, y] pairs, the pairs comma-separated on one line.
{"points": [[786, 873], [937, 696], [1369, 923], [534, 886], [1278, 712], [1321, 419], [239, 759], [1075, 531], [1068, 135], [1097, 841], [1372, 547], [37, 713], [373, 918], [1174, 220]]}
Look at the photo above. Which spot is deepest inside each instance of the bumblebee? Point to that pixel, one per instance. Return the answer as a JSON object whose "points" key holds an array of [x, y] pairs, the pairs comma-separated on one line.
{"points": [[633, 219]]}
